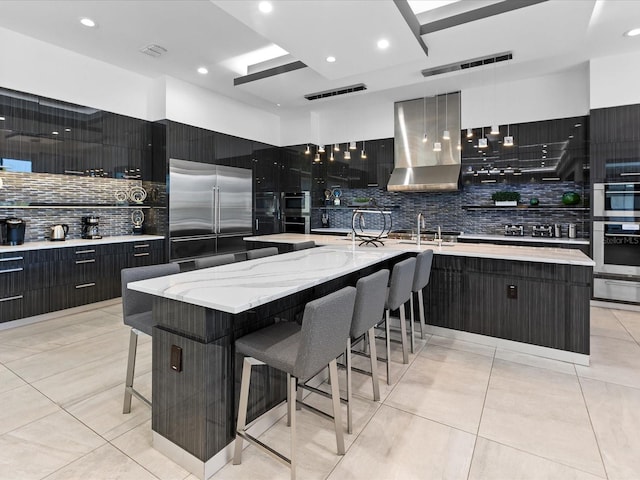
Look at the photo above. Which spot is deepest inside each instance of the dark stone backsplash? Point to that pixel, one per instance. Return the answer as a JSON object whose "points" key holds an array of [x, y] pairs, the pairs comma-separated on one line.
{"points": [[447, 209], [26, 189]]}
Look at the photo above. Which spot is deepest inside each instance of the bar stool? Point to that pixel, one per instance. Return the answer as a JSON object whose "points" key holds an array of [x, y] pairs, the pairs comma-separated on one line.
{"points": [[303, 245], [214, 260], [399, 293], [302, 352], [371, 292], [136, 312], [420, 280], [261, 252]]}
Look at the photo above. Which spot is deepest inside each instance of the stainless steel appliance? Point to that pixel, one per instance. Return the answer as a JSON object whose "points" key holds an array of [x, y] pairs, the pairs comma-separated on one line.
{"points": [[557, 230], [296, 212], [267, 213], [58, 232], [616, 252], [12, 231], [514, 230], [542, 231], [90, 227], [616, 199], [210, 208]]}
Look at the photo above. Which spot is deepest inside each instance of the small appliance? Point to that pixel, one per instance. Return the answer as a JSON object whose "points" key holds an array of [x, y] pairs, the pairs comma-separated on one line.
{"points": [[542, 231], [59, 232], [12, 231], [90, 227], [513, 230], [557, 230]]}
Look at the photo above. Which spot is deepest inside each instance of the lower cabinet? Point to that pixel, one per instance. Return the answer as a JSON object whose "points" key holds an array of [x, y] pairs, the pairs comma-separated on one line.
{"points": [[33, 282]]}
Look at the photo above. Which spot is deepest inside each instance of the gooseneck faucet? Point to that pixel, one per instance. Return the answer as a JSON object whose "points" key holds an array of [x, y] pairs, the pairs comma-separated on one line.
{"points": [[420, 225]]}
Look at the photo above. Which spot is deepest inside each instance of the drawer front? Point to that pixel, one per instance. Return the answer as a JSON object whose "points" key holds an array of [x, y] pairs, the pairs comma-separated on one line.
{"points": [[11, 307], [72, 295], [616, 290], [11, 275]]}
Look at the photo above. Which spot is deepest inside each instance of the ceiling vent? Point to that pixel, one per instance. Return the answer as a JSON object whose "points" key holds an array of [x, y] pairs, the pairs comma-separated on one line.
{"points": [[472, 63], [153, 50], [338, 91]]}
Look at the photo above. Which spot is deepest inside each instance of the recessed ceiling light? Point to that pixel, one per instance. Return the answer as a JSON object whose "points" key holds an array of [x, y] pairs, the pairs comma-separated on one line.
{"points": [[265, 7], [331, 59], [383, 43], [87, 22], [633, 32], [202, 70], [277, 104]]}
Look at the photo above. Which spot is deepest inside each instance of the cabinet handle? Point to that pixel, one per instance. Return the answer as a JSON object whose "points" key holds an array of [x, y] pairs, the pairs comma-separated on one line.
{"points": [[622, 284], [7, 299], [10, 259], [78, 252], [11, 270], [78, 262], [257, 227], [630, 174], [85, 285], [146, 245], [146, 254]]}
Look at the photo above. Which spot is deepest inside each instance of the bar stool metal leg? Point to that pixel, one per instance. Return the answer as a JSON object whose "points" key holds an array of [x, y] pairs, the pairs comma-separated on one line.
{"points": [[242, 408], [411, 320], [131, 368], [291, 396], [387, 329], [335, 398], [423, 321], [403, 332], [373, 354], [349, 386]]}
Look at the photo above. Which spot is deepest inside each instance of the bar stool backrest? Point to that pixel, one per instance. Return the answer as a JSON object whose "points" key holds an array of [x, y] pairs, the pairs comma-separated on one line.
{"points": [[371, 292], [423, 270], [401, 283], [325, 330], [214, 260], [133, 302], [261, 252], [304, 245]]}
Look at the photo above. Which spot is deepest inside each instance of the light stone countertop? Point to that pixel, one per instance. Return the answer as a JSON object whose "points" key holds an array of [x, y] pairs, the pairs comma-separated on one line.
{"points": [[480, 250], [526, 239], [240, 286], [77, 242]]}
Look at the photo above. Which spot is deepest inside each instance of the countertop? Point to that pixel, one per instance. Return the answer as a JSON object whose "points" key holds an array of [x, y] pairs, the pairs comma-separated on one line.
{"points": [[77, 242], [481, 250], [237, 287]]}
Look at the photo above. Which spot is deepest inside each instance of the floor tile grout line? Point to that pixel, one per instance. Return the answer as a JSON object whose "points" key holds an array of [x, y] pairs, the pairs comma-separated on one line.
{"points": [[595, 435], [633, 338], [484, 402]]}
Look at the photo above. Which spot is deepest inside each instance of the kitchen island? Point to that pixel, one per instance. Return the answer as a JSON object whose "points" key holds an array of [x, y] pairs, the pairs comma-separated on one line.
{"points": [[199, 315]]}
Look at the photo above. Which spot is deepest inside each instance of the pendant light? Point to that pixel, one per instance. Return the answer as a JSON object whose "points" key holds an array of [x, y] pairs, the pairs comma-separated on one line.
{"points": [[308, 150], [424, 119], [336, 147], [331, 157], [469, 133], [437, 146], [317, 157], [363, 154], [445, 134], [482, 141], [495, 130], [508, 140], [321, 148], [352, 146], [347, 155]]}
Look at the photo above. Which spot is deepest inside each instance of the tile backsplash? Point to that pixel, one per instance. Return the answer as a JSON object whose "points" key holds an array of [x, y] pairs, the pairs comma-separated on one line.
{"points": [[32, 190]]}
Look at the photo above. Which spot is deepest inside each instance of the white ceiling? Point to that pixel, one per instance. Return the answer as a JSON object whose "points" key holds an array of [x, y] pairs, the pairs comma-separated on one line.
{"points": [[544, 38]]}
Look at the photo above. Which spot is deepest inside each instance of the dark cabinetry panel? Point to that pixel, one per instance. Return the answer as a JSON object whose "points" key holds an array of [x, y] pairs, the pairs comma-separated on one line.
{"points": [[537, 303], [615, 143]]}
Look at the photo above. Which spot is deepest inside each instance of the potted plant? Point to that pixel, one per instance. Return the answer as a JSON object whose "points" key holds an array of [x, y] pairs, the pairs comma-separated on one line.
{"points": [[362, 201], [505, 198]]}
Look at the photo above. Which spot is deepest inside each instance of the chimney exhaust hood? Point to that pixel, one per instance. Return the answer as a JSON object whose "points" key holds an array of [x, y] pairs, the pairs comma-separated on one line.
{"points": [[418, 167]]}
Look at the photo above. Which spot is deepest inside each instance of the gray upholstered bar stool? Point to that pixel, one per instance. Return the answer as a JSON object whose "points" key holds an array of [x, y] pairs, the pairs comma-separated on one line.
{"points": [[399, 293], [302, 352], [420, 280], [371, 292], [304, 245], [261, 252], [136, 312], [214, 260]]}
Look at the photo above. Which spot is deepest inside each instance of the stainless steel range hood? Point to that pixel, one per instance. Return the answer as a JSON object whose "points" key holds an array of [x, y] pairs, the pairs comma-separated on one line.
{"points": [[417, 166]]}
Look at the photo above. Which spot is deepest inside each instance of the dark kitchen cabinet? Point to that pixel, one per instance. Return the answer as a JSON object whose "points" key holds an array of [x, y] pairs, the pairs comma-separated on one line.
{"points": [[233, 151], [266, 168]]}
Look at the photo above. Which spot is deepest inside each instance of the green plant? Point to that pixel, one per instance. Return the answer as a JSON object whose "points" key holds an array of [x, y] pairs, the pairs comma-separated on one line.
{"points": [[362, 200], [505, 196]]}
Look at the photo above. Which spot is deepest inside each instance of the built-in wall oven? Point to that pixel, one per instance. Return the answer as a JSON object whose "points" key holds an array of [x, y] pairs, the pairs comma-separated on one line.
{"points": [[616, 252], [616, 199], [296, 212]]}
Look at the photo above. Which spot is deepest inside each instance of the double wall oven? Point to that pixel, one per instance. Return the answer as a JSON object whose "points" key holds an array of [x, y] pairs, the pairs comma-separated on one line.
{"points": [[616, 241], [296, 212]]}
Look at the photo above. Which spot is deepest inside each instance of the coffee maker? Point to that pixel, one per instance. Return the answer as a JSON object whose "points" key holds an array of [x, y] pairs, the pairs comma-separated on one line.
{"points": [[90, 228], [12, 231]]}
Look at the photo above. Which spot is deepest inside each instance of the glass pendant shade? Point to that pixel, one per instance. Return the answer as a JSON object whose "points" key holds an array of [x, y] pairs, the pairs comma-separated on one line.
{"points": [[347, 155], [508, 142], [437, 147], [336, 147], [482, 143], [446, 135], [469, 133], [425, 138], [317, 157], [363, 154], [308, 150], [321, 148], [495, 129], [352, 145]]}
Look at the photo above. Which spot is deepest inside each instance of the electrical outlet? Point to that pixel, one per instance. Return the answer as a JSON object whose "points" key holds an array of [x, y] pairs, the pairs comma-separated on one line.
{"points": [[512, 291], [176, 358]]}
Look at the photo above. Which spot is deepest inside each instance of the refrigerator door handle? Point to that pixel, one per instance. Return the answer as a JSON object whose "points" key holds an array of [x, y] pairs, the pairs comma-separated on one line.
{"points": [[218, 213], [257, 225], [214, 219]]}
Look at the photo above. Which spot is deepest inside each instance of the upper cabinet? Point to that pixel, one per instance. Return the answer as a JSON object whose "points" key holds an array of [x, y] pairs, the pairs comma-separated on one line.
{"points": [[550, 150], [49, 136], [615, 144]]}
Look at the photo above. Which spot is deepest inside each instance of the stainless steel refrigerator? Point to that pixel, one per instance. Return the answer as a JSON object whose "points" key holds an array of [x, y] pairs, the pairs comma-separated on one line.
{"points": [[209, 208]]}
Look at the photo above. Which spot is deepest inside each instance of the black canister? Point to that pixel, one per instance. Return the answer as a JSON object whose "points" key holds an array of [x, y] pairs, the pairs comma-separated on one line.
{"points": [[15, 231]]}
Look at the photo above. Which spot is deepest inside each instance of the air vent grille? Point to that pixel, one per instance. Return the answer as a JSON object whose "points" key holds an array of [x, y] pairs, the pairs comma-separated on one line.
{"points": [[338, 91], [153, 50], [472, 63]]}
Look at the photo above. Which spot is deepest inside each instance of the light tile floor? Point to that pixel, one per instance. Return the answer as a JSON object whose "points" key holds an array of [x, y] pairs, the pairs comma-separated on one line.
{"points": [[457, 411]]}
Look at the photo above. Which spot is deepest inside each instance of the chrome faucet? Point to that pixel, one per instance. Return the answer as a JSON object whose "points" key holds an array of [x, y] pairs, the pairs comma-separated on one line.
{"points": [[420, 225], [439, 236]]}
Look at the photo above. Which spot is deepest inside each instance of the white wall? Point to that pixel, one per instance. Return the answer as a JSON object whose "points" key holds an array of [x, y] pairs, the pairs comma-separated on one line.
{"points": [[615, 80], [187, 103], [36, 67], [561, 95]]}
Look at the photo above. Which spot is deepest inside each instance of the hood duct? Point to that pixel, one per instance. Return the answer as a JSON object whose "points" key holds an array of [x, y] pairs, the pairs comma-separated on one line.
{"points": [[418, 166]]}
